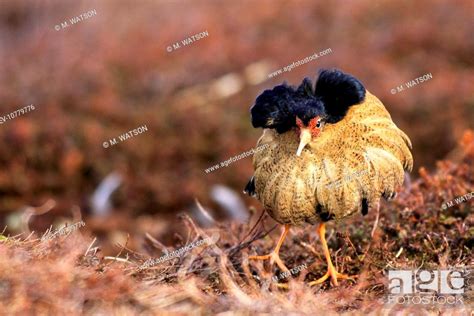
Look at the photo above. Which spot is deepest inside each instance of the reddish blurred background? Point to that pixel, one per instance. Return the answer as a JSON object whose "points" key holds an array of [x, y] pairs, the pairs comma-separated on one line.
{"points": [[111, 73]]}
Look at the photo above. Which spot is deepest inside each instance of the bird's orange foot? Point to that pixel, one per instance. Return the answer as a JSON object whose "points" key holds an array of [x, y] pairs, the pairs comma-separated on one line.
{"points": [[334, 275], [274, 255], [274, 258]]}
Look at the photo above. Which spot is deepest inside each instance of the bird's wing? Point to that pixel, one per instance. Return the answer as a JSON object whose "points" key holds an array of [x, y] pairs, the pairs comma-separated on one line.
{"points": [[359, 159], [264, 141]]}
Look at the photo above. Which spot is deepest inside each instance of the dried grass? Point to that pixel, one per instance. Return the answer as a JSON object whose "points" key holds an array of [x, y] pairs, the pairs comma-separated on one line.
{"points": [[68, 274]]}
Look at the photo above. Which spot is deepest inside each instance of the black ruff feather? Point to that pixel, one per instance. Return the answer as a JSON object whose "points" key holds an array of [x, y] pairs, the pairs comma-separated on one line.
{"points": [[338, 92], [334, 93], [272, 109]]}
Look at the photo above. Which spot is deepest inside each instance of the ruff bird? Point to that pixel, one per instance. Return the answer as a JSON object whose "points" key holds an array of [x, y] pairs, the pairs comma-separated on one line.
{"points": [[333, 151]]}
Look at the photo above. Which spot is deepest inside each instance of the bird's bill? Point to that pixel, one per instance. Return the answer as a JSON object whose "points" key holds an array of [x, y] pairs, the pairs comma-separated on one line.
{"points": [[305, 138]]}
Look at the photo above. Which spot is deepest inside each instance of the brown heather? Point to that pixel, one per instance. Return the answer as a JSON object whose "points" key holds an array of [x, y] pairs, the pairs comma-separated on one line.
{"points": [[111, 73], [69, 274]]}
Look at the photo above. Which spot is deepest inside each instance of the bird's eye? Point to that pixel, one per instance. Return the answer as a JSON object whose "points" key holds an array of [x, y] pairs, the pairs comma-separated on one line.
{"points": [[318, 124]]}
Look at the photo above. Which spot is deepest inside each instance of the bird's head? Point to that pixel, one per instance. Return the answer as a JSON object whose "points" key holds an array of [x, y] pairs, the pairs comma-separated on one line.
{"points": [[307, 131], [309, 121], [305, 109]]}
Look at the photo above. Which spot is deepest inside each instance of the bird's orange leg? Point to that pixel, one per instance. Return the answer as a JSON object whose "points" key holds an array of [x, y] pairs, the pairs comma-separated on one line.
{"points": [[332, 272], [274, 255]]}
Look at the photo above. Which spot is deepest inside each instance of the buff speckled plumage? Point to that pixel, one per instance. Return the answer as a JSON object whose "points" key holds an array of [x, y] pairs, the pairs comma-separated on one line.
{"points": [[360, 157]]}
